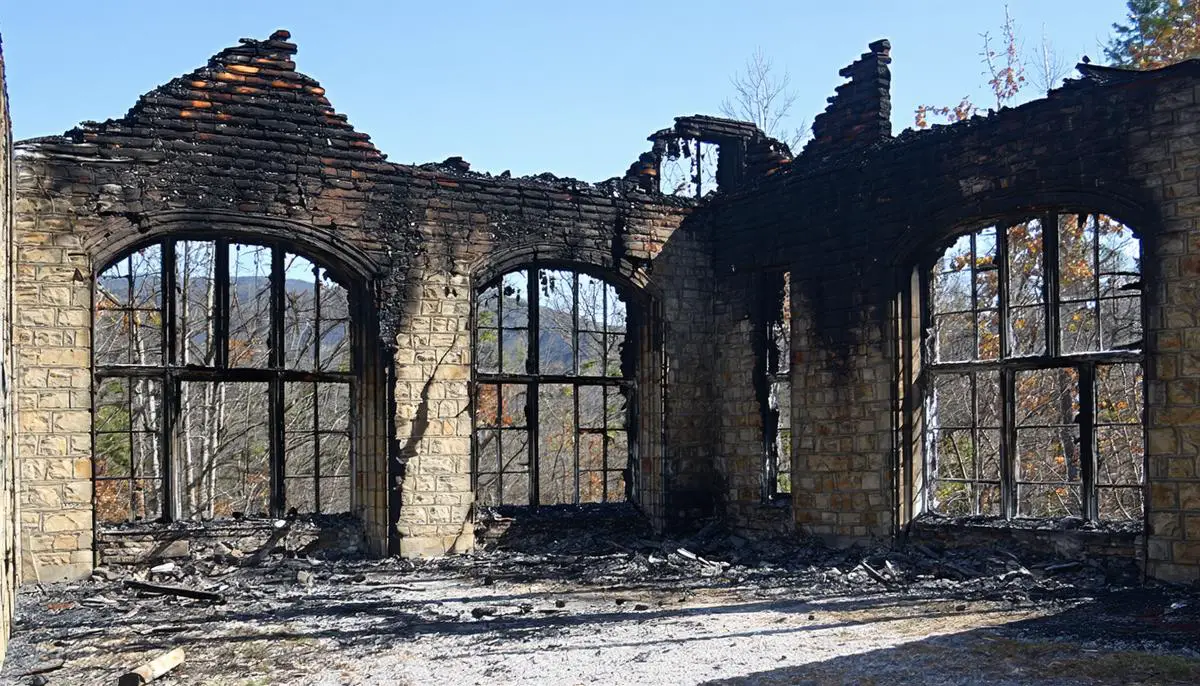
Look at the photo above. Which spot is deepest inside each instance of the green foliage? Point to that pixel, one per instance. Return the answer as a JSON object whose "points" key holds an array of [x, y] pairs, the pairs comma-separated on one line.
{"points": [[1156, 33]]}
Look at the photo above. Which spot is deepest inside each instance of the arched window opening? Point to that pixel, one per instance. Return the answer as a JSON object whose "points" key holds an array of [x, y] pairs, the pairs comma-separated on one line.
{"points": [[554, 378], [1034, 371], [224, 382]]}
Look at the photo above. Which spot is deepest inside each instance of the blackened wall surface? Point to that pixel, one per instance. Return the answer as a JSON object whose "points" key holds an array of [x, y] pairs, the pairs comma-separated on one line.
{"points": [[247, 147], [852, 225], [9, 520]]}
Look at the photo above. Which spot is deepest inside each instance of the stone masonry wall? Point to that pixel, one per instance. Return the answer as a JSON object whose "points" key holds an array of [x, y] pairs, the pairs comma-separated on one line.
{"points": [[247, 146], [855, 221], [8, 485], [475, 227], [740, 456]]}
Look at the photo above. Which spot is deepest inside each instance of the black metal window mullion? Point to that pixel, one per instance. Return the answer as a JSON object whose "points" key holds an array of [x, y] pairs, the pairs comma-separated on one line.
{"points": [[316, 423], [1050, 284], [221, 296], [1087, 440], [533, 331], [275, 385], [575, 369], [170, 389]]}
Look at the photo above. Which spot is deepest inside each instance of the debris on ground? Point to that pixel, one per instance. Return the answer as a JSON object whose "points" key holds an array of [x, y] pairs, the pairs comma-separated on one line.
{"points": [[559, 577]]}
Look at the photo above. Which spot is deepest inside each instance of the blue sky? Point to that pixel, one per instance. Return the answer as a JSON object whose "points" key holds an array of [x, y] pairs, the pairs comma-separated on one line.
{"points": [[572, 88]]}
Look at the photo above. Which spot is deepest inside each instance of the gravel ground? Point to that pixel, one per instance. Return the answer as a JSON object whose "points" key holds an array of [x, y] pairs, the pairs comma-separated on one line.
{"points": [[617, 606]]}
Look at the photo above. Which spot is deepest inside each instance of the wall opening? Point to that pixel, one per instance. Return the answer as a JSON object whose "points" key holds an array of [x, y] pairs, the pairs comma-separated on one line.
{"points": [[225, 378], [1033, 343], [776, 340], [555, 400]]}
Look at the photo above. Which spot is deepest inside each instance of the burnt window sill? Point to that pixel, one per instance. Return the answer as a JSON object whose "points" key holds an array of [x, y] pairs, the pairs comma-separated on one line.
{"points": [[933, 520]]}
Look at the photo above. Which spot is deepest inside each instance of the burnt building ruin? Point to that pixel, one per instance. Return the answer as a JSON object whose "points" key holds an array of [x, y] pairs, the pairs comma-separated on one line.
{"points": [[228, 308]]}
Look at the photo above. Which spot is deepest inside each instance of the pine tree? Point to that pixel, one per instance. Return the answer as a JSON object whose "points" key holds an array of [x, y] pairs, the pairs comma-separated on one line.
{"points": [[1157, 33]]}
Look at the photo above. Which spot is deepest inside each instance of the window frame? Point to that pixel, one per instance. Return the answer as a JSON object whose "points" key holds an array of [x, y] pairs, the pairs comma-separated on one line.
{"points": [[532, 379], [170, 373], [1009, 365], [774, 341]]}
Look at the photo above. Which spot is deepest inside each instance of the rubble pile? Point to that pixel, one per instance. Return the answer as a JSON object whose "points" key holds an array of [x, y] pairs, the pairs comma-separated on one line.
{"points": [[532, 573]]}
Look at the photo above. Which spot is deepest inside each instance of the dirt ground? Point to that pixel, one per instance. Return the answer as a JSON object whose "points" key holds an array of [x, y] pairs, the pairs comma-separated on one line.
{"points": [[617, 607]]}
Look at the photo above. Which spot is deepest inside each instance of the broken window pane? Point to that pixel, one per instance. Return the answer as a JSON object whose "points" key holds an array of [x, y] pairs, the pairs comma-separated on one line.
{"points": [[1119, 504], [249, 305], [1025, 275], [300, 327], [580, 329], [487, 330], [1047, 397], [954, 337], [952, 398], [129, 310], [514, 353], [514, 447], [1048, 500], [1079, 326], [1121, 323], [556, 444], [1076, 257], [1120, 456], [195, 302], [1027, 330], [1096, 300], [556, 339], [225, 465], [1119, 394]]}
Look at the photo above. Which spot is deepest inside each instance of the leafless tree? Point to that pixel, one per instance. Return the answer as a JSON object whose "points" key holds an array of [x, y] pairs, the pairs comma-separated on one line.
{"points": [[764, 96], [1049, 67]]}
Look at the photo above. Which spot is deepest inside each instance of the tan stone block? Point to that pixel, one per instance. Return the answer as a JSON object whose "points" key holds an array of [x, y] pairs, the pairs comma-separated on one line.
{"points": [[83, 468], [1189, 495], [1163, 442], [37, 543], [62, 357], [56, 295], [1191, 527], [52, 400], [74, 317], [1182, 468], [73, 421], [66, 542], [1164, 496], [34, 421], [41, 497], [1165, 525], [1173, 573], [79, 492], [33, 470], [421, 547], [52, 446], [66, 569], [71, 520], [1187, 553]]}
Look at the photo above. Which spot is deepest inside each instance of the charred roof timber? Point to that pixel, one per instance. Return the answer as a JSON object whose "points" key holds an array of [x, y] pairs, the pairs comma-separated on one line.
{"points": [[743, 150]]}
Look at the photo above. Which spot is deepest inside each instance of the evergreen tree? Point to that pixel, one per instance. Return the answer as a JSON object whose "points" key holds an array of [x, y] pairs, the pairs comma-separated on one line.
{"points": [[1156, 33]]}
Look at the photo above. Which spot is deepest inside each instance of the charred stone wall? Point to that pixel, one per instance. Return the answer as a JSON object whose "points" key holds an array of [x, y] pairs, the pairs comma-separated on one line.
{"points": [[851, 222], [247, 148], [8, 489]]}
